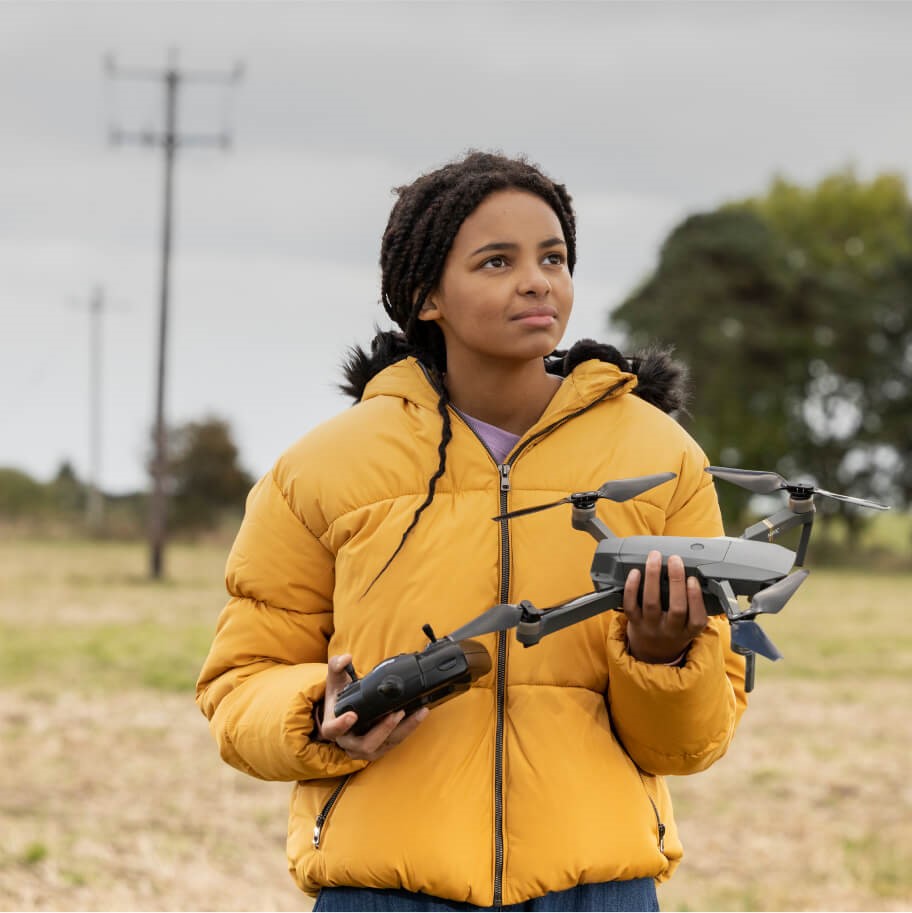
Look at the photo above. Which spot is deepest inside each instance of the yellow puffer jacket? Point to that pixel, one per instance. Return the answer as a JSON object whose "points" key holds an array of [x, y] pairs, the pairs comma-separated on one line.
{"points": [[547, 773]]}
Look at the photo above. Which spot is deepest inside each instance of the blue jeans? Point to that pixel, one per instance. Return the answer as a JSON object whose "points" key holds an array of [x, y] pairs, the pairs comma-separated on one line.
{"points": [[615, 896]]}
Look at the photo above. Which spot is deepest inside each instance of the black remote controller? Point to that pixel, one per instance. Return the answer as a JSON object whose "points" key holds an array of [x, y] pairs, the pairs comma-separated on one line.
{"points": [[411, 681]]}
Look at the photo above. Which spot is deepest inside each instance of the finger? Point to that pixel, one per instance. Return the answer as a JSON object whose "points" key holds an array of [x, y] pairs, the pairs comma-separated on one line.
{"points": [[652, 588], [407, 727], [366, 745], [631, 602], [334, 727], [336, 673], [677, 617], [697, 619], [336, 679]]}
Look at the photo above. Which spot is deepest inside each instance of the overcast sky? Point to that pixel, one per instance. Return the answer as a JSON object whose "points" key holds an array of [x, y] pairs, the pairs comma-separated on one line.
{"points": [[647, 111]]}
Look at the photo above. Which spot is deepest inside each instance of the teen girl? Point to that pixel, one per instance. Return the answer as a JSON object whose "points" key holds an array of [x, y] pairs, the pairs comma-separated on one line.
{"points": [[541, 788]]}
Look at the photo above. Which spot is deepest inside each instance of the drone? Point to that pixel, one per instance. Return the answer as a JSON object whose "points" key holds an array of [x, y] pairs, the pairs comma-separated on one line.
{"points": [[751, 566]]}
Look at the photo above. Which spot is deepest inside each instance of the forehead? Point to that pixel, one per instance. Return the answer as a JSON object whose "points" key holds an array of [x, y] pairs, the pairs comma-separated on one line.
{"points": [[509, 215]]}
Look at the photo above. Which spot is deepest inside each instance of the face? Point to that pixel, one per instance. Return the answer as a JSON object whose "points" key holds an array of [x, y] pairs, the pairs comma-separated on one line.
{"points": [[505, 293]]}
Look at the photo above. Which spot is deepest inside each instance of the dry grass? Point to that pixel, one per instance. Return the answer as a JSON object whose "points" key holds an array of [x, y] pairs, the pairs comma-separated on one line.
{"points": [[113, 796]]}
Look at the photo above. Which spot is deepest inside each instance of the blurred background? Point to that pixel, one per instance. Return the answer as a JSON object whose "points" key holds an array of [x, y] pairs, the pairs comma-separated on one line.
{"points": [[740, 176]]}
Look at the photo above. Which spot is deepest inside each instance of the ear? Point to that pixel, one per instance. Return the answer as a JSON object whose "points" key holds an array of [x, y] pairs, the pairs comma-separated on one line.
{"points": [[429, 310]]}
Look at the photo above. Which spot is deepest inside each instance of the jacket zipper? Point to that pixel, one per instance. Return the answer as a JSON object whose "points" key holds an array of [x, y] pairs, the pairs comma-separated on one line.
{"points": [[327, 809], [660, 827], [504, 470]]}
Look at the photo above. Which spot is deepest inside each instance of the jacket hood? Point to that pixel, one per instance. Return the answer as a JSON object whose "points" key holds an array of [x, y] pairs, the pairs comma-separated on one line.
{"points": [[660, 380]]}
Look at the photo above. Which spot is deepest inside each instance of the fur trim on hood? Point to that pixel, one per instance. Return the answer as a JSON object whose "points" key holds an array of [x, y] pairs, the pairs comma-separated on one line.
{"points": [[661, 381]]}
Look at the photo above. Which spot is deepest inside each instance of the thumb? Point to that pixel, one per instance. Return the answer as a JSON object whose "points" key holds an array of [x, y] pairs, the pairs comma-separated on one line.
{"points": [[336, 676]]}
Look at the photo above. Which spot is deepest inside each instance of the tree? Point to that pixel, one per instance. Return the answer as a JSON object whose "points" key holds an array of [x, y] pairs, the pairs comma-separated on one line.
{"points": [[20, 495], [204, 476], [66, 492], [793, 311]]}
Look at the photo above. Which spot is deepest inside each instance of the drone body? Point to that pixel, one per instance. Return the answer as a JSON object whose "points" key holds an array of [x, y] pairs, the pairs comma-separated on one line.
{"points": [[749, 567]]}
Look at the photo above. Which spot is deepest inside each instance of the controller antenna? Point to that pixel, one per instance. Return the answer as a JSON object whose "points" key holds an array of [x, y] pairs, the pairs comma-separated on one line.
{"points": [[429, 632]]}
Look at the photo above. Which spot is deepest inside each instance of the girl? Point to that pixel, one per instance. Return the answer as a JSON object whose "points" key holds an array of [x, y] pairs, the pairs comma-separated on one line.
{"points": [[541, 787]]}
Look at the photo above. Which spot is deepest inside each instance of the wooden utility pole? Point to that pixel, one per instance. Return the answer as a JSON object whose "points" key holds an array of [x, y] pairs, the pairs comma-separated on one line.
{"points": [[169, 140]]}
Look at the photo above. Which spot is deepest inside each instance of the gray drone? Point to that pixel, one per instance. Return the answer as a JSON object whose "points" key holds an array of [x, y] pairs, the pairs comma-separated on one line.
{"points": [[752, 565]]}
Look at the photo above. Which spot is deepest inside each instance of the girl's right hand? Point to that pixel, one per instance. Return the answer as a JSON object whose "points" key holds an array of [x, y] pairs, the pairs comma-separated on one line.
{"points": [[377, 741]]}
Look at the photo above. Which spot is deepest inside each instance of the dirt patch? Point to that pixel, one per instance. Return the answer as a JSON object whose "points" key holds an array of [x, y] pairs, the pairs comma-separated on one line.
{"points": [[808, 811], [122, 803]]}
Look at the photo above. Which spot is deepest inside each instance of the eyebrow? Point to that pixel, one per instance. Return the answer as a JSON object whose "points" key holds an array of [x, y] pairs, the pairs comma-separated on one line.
{"points": [[509, 245]]}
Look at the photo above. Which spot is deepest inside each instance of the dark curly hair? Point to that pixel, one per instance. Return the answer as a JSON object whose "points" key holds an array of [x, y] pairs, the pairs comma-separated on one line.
{"points": [[419, 234]]}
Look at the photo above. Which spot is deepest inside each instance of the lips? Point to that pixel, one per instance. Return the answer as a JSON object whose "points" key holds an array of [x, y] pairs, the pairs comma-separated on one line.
{"points": [[539, 311]]}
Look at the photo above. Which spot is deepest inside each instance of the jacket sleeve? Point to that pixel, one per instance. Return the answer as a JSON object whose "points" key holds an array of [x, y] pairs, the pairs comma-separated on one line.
{"points": [[672, 720], [266, 667]]}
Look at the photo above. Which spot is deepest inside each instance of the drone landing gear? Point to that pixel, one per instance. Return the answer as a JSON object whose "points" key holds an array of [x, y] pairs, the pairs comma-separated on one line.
{"points": [[750, 668]]}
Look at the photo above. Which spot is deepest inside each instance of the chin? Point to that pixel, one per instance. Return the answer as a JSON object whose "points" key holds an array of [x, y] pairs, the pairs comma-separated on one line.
{"points": [[539, 348]]}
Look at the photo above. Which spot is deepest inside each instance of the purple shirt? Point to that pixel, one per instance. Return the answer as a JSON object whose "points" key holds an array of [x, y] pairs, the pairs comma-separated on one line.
{"points": [[498, 441]]}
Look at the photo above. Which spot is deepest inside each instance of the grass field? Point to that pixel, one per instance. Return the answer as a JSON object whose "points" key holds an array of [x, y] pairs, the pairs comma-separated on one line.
{"points": [[113, 797]]}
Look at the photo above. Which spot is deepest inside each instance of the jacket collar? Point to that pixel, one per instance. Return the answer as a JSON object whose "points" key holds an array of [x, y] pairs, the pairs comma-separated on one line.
{"points": [[588, 382]]}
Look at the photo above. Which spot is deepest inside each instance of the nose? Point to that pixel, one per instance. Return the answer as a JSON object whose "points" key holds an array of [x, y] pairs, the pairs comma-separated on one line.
{"points": [[534, 283]]}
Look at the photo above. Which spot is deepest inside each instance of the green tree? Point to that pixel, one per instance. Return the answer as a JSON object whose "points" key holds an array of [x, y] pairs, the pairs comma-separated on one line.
{"points": [[205, 477], [66, 493], [792, 310], [20, 494]]}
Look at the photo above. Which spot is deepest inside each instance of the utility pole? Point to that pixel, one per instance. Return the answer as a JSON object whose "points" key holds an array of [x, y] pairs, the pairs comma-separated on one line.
{"points": [[169, 140], [94, 502], [94, 499]]}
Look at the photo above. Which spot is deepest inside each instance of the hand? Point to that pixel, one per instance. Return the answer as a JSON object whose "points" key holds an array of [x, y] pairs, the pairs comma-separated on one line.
{"points": [[654, 636], [388, 732]]}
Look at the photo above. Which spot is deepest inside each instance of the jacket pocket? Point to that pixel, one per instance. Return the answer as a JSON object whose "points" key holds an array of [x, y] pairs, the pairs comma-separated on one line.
{"points": [[326, 811]]}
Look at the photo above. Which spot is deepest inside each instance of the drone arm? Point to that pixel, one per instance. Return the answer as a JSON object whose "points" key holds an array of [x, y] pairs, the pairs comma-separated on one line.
{"points": [[584, 519], [787, 518], [537, 624], [723, 591]]}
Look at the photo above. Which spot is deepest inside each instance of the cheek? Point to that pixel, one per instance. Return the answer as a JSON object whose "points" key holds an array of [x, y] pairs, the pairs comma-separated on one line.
{"points": [[564, 291]]}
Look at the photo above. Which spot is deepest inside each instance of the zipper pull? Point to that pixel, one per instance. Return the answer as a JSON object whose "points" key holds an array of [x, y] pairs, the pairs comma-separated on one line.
{"points": [[661, 837], [318, 827], [504, 470]]}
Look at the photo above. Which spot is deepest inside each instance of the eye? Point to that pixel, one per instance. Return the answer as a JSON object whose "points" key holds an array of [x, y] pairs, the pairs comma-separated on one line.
{"points": [[554, 259], [497, 262]]}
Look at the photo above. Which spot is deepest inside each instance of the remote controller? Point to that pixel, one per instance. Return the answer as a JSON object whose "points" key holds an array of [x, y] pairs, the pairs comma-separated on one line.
{"points": [[411, 681]]}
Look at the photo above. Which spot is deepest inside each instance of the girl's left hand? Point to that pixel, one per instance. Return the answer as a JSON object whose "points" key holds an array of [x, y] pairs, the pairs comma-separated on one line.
{"points": [[654, 635], [388, 732]]}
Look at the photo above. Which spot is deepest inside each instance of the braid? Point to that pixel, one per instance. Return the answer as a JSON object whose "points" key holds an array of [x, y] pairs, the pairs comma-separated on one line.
{"points": [[447, 432], [419, 234]]}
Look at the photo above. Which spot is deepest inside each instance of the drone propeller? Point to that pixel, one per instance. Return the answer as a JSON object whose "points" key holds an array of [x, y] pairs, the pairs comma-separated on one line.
{"points": [[618, 490], [764, 483], [497, 618], [749, 637], [774, 597]]}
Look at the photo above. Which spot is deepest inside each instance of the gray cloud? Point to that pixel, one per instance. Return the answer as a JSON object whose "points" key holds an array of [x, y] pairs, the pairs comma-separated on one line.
{"points": [[646, 110]]}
